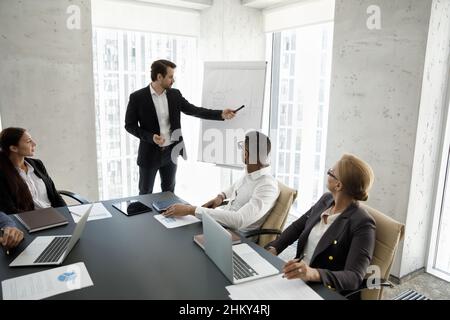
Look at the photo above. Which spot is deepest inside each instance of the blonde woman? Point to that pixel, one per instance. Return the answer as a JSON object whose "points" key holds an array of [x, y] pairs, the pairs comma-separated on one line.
{"points": [[336, 237]]}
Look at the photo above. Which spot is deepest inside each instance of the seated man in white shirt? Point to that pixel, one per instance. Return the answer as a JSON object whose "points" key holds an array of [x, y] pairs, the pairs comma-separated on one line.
{"points": [[250, 198]]}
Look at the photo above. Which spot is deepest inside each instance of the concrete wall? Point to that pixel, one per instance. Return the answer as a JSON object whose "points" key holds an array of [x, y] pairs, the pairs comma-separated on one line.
{"points": [[229, 31], [376, 93], [427, 155], [47, 86]]}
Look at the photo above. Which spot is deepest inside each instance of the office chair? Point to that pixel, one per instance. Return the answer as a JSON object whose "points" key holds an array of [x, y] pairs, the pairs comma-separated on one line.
{"points": [[74, 196], [273, 226], [389, 233]]}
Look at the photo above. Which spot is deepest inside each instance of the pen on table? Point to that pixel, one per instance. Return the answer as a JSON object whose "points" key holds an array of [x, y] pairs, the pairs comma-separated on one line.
{"points": [[298, 260]]}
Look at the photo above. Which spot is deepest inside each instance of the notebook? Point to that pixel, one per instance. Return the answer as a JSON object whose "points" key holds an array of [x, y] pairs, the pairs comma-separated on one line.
{"points": [[162, 205], [41, 219]]}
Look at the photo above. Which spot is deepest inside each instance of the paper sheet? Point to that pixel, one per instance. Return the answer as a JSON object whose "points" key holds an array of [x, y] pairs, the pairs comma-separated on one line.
{"points": [[47, 283], [98, 212], [177, 221], [273, 288]]}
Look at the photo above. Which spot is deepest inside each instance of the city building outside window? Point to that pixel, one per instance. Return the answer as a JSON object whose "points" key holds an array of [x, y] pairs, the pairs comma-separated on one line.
{"points": [[301, 71], [122, 61]]}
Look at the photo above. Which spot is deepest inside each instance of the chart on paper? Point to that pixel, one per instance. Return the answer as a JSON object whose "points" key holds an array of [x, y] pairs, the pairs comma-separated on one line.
{"points": [[176, 222]]}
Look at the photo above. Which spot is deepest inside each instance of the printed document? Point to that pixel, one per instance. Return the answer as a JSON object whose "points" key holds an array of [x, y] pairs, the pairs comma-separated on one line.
{"points": [[47, 283], [273, 288], [175, 222], [98, 212]]}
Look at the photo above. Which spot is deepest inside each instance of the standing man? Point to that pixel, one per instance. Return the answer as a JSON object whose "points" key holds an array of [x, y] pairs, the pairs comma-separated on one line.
{"points": [[153, 116]]}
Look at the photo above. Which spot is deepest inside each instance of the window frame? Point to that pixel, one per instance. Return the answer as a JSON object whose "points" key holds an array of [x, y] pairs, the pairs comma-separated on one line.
{"points": [[440, 196]]}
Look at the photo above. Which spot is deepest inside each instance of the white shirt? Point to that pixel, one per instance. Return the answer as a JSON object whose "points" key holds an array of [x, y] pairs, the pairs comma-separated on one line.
{"points": [[36, 186], [162, 112], [317, 232], [250, 199]]}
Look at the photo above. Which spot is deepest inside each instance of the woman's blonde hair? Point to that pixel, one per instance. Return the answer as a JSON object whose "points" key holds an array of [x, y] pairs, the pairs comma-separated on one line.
{"points": [[356, 176]]}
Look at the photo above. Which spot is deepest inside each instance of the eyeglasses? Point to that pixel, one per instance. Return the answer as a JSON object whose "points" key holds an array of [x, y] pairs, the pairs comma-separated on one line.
{"points": [[240, 145], [331, 174]]}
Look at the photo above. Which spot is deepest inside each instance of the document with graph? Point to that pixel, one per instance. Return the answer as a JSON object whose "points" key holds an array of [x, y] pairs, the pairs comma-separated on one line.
{"points": [[44, 284], [176, 222]]}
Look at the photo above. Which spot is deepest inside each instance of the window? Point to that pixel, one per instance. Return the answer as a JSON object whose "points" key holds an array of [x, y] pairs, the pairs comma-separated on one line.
{"points": [[297, 164], [439, 254], [301, 67], [122, 62]]}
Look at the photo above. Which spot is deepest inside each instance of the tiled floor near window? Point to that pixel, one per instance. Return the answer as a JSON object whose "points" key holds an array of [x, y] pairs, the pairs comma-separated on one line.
{"points": [[424, 283]]}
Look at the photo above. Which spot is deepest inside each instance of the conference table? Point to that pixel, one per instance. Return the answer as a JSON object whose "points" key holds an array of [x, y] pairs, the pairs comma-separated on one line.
{"points": [[136, 257]]}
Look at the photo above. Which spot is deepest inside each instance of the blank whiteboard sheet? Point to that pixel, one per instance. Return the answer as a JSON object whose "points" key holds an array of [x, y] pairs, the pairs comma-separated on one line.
{"points": [[231, 85]]}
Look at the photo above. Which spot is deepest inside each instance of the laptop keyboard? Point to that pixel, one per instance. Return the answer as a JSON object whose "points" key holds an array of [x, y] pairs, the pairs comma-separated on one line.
{"points": [[54, 250], [241, 269]]}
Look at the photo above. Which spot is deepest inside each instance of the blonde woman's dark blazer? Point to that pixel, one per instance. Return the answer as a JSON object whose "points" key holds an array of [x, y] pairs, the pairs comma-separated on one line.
{"points": [[345, 250]]}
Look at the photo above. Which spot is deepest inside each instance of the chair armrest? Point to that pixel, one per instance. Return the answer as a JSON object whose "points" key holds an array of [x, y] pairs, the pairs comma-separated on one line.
{"points": [[259, 232], [74, 196], [383, 283]]}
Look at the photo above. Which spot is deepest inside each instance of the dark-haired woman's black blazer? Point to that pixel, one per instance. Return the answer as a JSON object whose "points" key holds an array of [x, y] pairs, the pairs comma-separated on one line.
{"points": [[8, 200]]}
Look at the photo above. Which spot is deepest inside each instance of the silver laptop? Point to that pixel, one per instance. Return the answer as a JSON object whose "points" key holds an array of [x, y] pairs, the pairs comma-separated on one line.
{"points": [[51, 250], [240, 262]]}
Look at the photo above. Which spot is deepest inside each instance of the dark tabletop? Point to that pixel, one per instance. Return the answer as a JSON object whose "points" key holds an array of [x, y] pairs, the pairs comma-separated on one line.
{"points": [[136, 257]]}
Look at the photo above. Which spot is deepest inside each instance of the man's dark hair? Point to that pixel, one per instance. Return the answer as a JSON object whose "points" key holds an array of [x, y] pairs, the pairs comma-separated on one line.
{"points": [[258, 146], [160, 67]]}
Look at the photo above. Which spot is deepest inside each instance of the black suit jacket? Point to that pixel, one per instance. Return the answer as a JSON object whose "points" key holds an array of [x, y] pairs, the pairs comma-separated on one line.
{"points": [[141, 121], [8, 200], [345, 250]]}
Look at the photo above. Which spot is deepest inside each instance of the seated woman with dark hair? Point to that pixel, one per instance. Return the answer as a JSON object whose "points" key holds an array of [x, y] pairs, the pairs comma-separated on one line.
{"points": [[24, 182], [336, 237]]}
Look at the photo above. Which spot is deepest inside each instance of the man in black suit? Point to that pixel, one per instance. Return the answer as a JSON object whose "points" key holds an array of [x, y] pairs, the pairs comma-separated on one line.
{"points": [[153, 116]]}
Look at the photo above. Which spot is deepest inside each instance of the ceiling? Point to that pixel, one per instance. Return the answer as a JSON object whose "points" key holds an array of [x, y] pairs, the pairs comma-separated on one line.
{"points": [[204, 4]]}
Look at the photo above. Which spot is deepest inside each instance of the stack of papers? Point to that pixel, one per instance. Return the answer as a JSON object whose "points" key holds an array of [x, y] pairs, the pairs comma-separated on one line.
{"points": [[98, 212], [48, 283], [273, 288], [176, 221]]}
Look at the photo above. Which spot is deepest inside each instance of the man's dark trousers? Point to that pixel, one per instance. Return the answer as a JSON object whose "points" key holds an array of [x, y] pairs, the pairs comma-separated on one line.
{"points": [[167, 171]]}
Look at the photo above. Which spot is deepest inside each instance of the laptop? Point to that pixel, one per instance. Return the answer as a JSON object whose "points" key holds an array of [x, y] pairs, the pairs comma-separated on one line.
{"points": [[50, 250], [239, 263]]}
